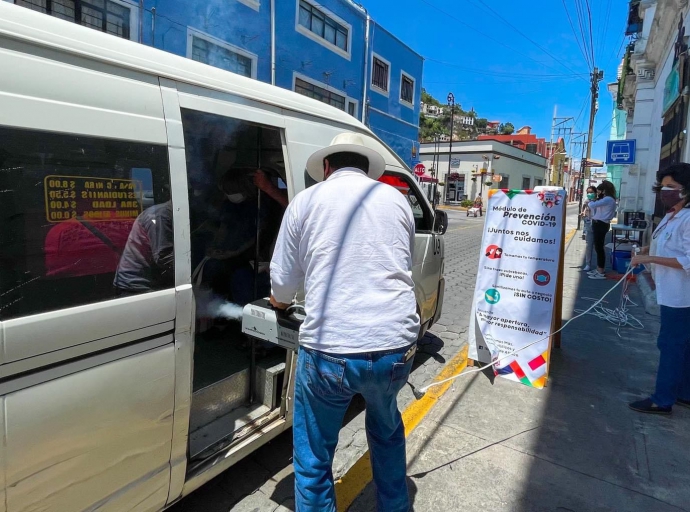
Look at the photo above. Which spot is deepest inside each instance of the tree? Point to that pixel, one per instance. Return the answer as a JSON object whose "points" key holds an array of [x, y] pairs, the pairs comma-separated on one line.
{"points": [[481, 123], [429, 99], [507, 129]]}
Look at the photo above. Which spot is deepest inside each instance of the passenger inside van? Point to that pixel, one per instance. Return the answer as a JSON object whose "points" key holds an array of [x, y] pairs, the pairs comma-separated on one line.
{"points": [[230, 235]]}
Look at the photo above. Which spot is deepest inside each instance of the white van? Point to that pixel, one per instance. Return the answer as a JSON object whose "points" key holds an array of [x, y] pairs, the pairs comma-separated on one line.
{"points": [[115, 393]]}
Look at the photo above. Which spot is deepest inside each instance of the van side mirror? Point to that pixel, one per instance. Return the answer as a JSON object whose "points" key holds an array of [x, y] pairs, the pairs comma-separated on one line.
{"points": [[440, 222]]}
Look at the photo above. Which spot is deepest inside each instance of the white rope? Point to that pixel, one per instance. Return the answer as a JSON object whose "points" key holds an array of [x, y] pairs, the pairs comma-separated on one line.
{"points": [[620, 317], [609, 314]]}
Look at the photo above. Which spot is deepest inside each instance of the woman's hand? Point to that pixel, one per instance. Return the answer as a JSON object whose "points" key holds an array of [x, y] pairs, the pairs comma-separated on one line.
{"points": [[641, 259]]}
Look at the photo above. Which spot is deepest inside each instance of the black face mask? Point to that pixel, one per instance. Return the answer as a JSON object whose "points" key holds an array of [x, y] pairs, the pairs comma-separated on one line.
{"points": [[670, 197]]}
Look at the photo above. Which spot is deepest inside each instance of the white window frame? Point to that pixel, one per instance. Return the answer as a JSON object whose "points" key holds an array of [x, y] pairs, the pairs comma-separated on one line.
{"points": [[192, 33], [296, 75], [254, 4], [314, 37], [356, 104], [414, 86], [371, 74], [133, 18]]}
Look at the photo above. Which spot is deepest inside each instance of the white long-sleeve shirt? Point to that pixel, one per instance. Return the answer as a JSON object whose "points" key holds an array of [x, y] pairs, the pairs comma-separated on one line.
{"points": [[349, 239], [672, 240], [603, 209]]}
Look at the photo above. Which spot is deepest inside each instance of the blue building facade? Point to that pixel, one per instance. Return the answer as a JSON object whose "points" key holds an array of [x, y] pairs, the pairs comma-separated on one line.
{"points": [[321, 50]]}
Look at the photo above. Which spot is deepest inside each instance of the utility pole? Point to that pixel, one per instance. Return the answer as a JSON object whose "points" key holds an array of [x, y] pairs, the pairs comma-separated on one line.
{"points": [[597, 76], [451, 104], [435, 170]]}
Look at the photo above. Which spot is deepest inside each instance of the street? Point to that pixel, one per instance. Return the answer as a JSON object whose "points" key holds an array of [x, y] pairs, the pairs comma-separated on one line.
{"points": [[264, 480]]}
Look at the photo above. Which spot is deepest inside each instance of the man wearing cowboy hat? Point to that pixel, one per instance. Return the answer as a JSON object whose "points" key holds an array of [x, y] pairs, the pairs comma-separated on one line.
{"points": [[349, 240]]}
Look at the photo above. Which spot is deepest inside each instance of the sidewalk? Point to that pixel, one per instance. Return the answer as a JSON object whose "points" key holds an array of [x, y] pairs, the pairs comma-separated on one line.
{"points": [[574, 446]]}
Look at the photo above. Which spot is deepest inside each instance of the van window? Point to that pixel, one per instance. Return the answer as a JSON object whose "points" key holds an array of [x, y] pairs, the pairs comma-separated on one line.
{"points": [[423, 219], [82, 220], [235, 170]]}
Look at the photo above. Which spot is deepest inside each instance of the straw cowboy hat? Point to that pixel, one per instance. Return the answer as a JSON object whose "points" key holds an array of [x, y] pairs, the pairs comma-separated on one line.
{"points": [[349, 143]]}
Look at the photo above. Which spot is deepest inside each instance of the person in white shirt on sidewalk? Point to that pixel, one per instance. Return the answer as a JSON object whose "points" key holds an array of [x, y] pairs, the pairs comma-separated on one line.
{"points": [[349, 240], [603, 210], [669, 257]]}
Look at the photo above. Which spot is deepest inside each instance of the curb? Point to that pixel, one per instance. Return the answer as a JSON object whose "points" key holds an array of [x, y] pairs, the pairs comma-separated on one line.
{"points": [[648, 291], [454, 208]]}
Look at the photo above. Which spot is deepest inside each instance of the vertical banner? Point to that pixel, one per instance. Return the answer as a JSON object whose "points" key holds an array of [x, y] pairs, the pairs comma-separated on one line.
{"points": [[515, 294]]}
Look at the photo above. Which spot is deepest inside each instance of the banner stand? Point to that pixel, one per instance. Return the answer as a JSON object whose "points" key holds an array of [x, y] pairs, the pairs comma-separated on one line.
{"points": [[519, 284]]}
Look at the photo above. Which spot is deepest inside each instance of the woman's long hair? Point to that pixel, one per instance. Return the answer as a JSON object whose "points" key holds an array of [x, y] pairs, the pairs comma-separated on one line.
{"points": [[607, 188]]}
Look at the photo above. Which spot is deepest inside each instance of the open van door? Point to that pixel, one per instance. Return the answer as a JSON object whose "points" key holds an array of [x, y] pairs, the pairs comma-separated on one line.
{"points": [[428, 251]]}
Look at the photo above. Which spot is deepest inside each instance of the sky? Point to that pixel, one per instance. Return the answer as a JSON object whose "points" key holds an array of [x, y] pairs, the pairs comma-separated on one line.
{"points": [[515, 61]]}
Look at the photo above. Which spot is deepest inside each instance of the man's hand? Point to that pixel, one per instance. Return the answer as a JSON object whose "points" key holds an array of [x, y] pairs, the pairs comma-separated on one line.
{"points": [[278, 305]]}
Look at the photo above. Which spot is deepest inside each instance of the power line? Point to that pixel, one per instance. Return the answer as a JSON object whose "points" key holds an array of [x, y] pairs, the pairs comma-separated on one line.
{"points": [[524, 35], [546, 77], [483, 34], [608, 125], [582, 110], [591, 31], [580, 12], [577, 39], [605, 28]]}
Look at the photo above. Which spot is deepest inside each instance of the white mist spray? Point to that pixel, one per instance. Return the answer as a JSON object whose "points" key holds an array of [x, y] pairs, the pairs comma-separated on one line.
{"points": [[209, 305]]}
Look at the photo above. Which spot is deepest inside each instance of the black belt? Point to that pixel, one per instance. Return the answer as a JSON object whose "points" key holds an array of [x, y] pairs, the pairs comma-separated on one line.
{"points": [[594, 221]]}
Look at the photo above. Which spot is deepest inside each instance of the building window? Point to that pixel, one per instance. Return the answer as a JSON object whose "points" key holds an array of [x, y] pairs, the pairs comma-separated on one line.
{"points": [[525, 182], [319, 93], [531, 148], [220, 55], [537, 182], [407, 89], [323, 25], [504, 182], [105, 15], [379, 74], [352, 108]]}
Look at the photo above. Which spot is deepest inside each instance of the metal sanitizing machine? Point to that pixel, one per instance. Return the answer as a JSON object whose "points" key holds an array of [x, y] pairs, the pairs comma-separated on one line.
{"points": [[262, 321]]}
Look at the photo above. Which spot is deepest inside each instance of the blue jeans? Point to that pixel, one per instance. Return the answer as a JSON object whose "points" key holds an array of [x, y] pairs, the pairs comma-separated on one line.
{"points": [[324, 386], [673, 376]]}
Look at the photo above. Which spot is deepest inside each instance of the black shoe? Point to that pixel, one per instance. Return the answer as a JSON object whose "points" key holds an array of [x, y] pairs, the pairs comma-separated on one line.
{"points": [[684, 403], [648, 407]]}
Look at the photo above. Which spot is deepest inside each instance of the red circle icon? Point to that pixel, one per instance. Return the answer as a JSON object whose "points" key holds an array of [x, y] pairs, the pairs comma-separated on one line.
{"points": [[493, 252]]}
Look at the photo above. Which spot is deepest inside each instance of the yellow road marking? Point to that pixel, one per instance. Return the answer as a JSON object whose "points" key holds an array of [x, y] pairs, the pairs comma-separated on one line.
{"points": [[570, 235], [359, 475], [468, 227]]}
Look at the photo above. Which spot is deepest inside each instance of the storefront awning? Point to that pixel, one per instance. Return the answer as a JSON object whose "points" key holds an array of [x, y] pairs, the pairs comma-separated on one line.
{"points": [[425, 178]]}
